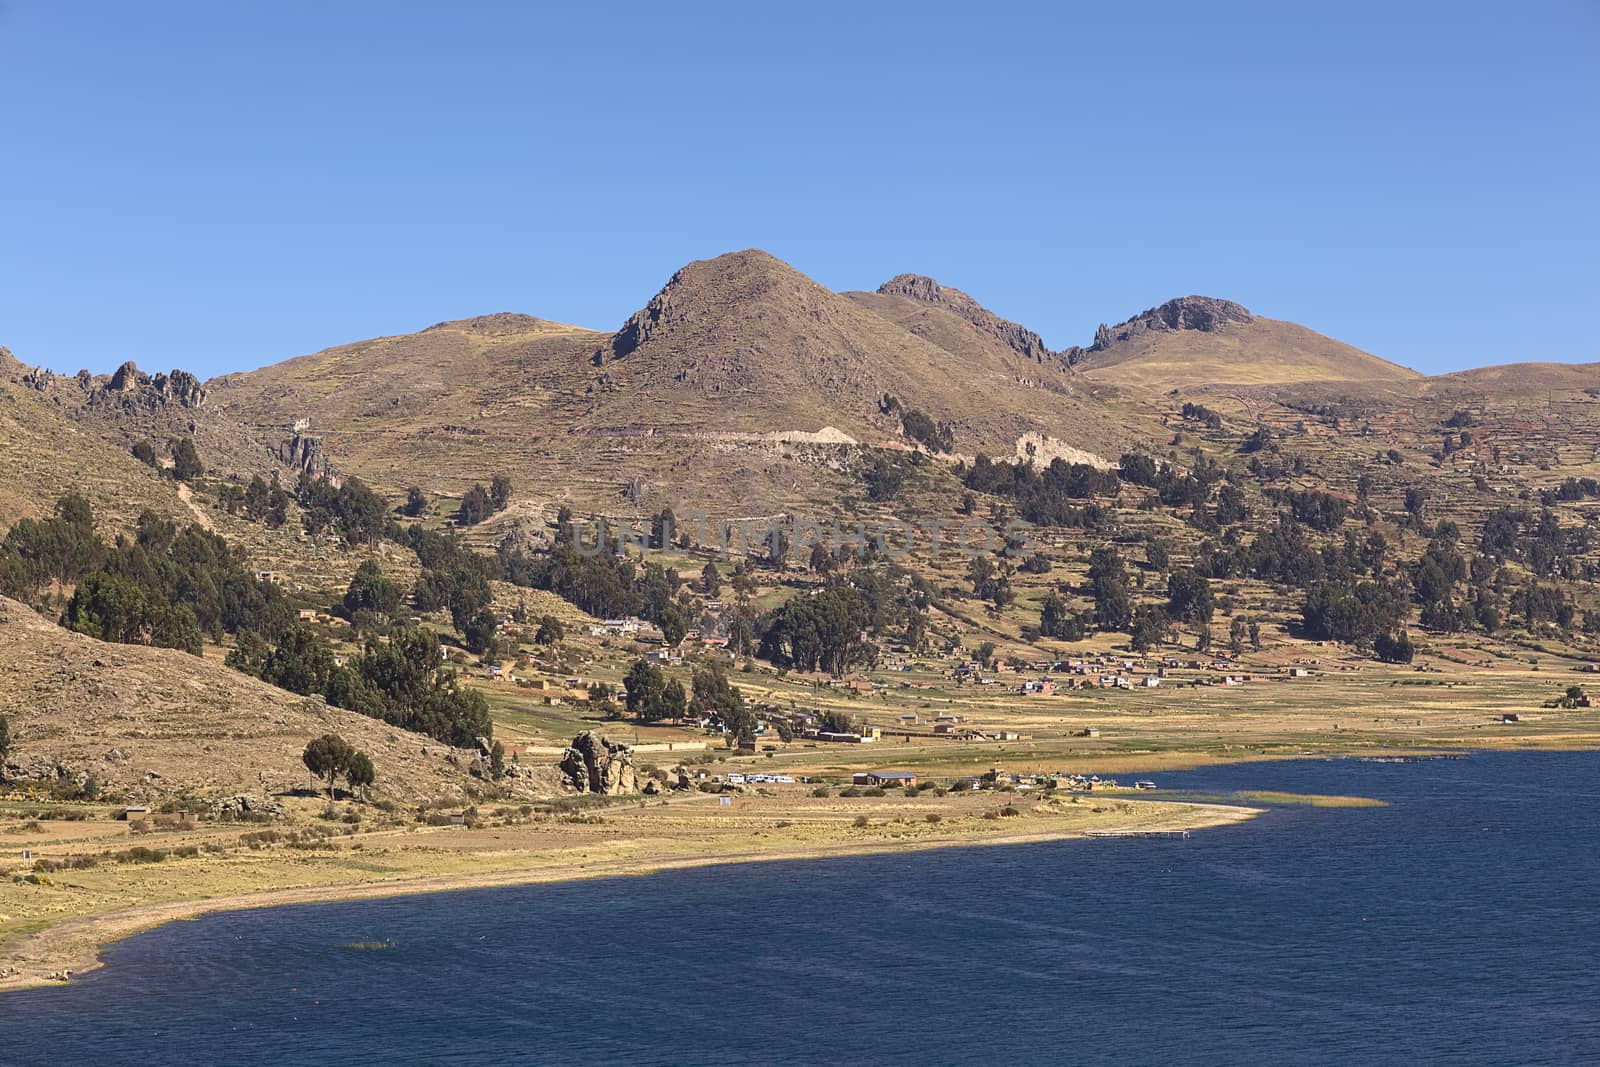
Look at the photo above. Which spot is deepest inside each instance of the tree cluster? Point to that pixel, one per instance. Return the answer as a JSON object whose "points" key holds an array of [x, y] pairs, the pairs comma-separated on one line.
{"points": [[331, 756]]}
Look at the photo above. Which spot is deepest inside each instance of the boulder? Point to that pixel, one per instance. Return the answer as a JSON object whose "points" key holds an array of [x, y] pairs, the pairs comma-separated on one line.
{"points": [[127, 378], [306, 454], [247, 807], [596, 764], [180, 387]]}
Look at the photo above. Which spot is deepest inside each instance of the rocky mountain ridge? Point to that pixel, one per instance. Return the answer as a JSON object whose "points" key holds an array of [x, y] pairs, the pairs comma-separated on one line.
{"points": [[925, 290]]}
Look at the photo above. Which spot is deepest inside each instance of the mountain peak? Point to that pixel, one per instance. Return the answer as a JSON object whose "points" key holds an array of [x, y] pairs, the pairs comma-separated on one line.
{"points": [[916, 286], [1207, 314], [706, 287]]}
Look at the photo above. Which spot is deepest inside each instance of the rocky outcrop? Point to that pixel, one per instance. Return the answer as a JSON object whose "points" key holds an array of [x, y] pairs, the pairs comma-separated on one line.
{"points": [[925, 290], [596, 764], [180, 387], [44, 771], [132, 389], [306, 454], [247, 807], [127, 378], [641, 325], [1203, 313], [528, 534]]}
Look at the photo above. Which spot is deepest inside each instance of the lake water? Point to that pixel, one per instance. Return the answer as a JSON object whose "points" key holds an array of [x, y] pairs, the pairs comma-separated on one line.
{"points": [[1461, 923]]}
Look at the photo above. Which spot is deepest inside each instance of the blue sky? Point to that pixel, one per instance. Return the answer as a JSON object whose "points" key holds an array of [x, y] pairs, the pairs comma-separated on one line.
{"points": [[216, 186]]}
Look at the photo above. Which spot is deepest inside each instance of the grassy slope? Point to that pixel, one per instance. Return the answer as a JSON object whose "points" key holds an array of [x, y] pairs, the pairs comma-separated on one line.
{"points": [[1261, 352]]}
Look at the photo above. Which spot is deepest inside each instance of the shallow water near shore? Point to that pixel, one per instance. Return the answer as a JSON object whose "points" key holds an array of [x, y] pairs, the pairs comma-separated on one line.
{"points": [[1459, 921]]}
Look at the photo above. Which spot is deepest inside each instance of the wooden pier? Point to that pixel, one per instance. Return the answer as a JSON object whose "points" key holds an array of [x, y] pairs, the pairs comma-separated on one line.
{"points": [[1169, 834]]}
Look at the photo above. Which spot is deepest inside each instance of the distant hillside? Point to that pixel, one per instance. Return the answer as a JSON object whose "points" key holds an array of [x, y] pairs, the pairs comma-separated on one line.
{"points": [[1200, 341], [449, 372], [729, 380], [1528, 380], [742, 385]]}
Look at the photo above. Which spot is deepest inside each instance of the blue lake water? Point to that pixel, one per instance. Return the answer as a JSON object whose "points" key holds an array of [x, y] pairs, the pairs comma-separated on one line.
{"points": [[1461, 923]]}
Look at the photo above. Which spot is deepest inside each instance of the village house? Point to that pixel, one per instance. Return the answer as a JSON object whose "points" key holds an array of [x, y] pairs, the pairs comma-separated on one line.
{"points": [[884, 779], [861, 735]]}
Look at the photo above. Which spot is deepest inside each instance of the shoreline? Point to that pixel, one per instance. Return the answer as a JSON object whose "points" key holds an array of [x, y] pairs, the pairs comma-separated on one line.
{"points": [[75, 946]]}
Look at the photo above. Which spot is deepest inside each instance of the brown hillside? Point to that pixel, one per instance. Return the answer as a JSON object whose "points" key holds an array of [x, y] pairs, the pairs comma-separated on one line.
{"points": [[448, 373], [148, 722], [1196, 342], [1519, 379], [746, 342], [129, 406], [712, 395]]}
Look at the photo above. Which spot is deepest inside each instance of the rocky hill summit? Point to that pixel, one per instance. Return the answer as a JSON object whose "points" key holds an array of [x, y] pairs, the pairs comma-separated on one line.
{"points": [[925, 290], [128, 389], [131, 384], [699, 294], [1205, 314], [497, 324]]}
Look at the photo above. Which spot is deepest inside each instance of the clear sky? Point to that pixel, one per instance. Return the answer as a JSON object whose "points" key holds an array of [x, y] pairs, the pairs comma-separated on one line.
{"points": [[219, 185]]}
